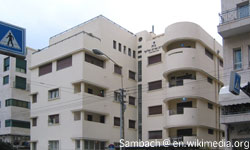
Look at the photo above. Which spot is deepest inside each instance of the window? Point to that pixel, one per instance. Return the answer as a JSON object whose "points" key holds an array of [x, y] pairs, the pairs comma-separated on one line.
{"points": [[210, 105], [139, 52], [20, 83], [154, 110], [89, 117], [53, 119], [0, 104], [210, 131], [124, 49], [77, 87], [114, 44], [155, 134], [117, 69], [131, 75], [154, 59], [21, 65], [90, 91], [116, 121], [102, 119], [53, 94], [5, 80], [237, 59], [45, 69], [139, 46], [131, 100], [139, 57], [34, 98], [134, 54], [120, 47], [154, 85], [17, 103], [243, 10], [94, 61], [209, 54], [78, 144], [221, 63], [140, 39], [139, 71], [94, 145], [210, 80], [117, 96], [64, 63], [17, 123], [33, 144], [77, 115], [34, 122], [53, 145], [131, 124], [6, 64], [129, 52]]}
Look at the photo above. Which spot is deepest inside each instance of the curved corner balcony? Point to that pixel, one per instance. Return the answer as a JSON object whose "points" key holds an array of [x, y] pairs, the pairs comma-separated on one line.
{"points": [[183, 117], [190, 88], [185, 59]]}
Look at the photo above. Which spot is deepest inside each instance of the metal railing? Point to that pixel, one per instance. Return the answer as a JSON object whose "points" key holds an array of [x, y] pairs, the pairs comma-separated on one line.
{"points": [[234, 14]]}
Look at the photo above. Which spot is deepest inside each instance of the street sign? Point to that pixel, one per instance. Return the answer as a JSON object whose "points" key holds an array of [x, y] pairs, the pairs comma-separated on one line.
{"points": [[234, 85], [111, 146], [12, 40]]}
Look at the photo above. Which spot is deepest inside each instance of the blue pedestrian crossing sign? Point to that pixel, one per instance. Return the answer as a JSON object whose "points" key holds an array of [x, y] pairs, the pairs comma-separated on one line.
{"points": [[12, 40], [234, 84]]}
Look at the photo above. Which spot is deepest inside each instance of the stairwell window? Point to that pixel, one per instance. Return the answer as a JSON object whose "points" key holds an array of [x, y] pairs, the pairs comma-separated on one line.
{"points": [[34, 98], [120, 47], [129, 52], [54, 94], [237, 60], [114, 44], [34, 122], [6, 64]]}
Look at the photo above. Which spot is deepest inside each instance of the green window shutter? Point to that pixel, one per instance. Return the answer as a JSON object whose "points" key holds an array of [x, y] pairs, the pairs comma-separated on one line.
{"points": [[21, 63], [20, 83]]}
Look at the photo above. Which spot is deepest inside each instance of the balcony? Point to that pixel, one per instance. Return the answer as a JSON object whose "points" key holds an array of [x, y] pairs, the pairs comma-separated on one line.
{"points": [[234, 21], [183, 139], [182, 117]]}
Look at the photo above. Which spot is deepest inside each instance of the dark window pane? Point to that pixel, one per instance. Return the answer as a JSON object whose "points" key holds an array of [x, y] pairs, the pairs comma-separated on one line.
{"points": [[154, 85], [20, 83], [209, 54], [94, 61], [154, 110], [117, 69], [45, 69], [155, 134], [116, 121], [21, 65], [154, 59], [6, 64], [114, 44], [64, 63], [131, 100], [131, 75], [131, 124]]}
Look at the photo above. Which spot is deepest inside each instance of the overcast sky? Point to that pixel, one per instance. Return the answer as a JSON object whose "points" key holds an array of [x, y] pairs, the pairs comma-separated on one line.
{"points": [[45, 18]]}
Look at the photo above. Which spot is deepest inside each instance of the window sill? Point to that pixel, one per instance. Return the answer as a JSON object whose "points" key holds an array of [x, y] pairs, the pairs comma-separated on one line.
{"points": [[156, 115], [52, 99], [51, 125], [132, 80], [134, 129], [149, 91]]}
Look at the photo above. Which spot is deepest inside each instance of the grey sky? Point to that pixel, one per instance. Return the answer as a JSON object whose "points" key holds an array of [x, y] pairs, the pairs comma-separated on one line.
{"points": [[45, 18]]}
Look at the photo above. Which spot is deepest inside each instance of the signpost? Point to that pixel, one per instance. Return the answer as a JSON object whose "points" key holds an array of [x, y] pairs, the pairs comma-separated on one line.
{"points": [[234, 85], [12, 40]]}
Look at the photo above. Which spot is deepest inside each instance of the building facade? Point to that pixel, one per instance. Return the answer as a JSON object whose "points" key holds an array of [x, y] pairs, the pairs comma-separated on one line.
{"points": [[14, 100], [171, 84], [235, 30]]}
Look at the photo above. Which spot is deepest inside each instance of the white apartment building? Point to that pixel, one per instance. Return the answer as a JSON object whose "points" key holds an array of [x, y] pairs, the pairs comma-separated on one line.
{"points": [[171, 82], [235, 30], [14, 100]]}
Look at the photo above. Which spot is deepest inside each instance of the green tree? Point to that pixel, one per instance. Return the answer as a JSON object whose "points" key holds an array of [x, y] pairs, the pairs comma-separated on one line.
{"points": [[6, 146]]}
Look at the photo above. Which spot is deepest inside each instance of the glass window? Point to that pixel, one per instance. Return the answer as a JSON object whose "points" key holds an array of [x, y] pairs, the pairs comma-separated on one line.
{"points": [[155, 85], [53, 94], [53, 119], [131, 75], [34, 146], [114, 44], [154, 59], [77, 115], [117, 96], [243, 10], [209, 54], [124, 49], [34, 122], [34, 98], [5, 80], [155, 134], [129, 52], [131, 124], [139, 71], [210, 105], [210, 80], [116, 121], [64, 63], [134, 55], [120, 47], [17, 103], [6, 64], [94, 61], [21, 65], [131, 100], [20, 83], [78, 144], [17, 123], [45, 69], [154, 110], [210, 131], [117, 69], [53, 145], [237, 59]]}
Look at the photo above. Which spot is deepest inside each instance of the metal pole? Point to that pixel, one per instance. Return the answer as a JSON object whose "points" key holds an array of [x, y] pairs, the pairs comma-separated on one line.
{"points": [[122, 112]]}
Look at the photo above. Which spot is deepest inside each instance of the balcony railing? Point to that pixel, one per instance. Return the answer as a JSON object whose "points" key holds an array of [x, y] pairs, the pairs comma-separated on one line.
{"points": [[234, 14]]}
